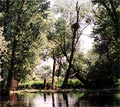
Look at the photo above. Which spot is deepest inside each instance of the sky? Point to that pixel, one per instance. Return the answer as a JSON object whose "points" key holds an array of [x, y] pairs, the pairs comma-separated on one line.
{"points": [[86, 42], [80, 1]]}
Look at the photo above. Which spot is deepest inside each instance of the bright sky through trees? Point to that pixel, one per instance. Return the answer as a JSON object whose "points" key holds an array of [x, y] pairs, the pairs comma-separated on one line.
{"points": [[85, 40]]}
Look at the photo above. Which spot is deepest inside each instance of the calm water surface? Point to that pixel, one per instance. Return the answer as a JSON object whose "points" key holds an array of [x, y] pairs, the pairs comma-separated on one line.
{"points": [[71, 99]]}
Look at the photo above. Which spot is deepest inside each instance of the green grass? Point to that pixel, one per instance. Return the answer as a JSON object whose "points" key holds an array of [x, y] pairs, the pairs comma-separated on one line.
{"points": [[38, 84], [31, 84]]}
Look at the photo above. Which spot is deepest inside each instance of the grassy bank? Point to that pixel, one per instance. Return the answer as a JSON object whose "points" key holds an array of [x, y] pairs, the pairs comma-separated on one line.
{"points": [[39, 84]]}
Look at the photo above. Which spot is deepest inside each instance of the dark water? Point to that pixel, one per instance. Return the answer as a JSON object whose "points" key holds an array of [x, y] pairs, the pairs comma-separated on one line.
{"points": [[71, 99]]}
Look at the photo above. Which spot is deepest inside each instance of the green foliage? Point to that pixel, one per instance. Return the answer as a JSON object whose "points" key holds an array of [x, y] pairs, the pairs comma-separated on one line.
{"points": [[100, 76], [31, 84], [105, 71], [59, 82], [60, 40], [74, 83], [80, 61], [60, 35], [65, 38], [24, 23], [28, 27], [3, 48], [117, 83], [3, 54], [117, 95], [38, 84]]}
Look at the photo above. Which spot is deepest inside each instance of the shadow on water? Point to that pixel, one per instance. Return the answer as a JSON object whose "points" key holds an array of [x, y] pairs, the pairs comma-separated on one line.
{"points": [[102, 98], [12, 100], [71, 99]]}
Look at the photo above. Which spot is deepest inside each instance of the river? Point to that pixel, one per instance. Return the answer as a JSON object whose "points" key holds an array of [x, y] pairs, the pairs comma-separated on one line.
{"points": [[63, 99]]}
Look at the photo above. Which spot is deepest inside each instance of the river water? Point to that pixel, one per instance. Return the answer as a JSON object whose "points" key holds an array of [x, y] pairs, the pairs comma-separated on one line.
{"points": [[63, 99]]}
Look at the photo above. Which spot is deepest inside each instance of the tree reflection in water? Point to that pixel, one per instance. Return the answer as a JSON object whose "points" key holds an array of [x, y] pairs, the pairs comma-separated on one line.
{"points": [[73, 99], [59, 99], [104, 98], [13, 98], [65, 97], [45, 97], [53, 100]]}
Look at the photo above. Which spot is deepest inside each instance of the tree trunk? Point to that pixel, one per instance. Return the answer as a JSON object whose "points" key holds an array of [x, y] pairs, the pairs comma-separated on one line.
{"points": [[14, 45], [60, 67], [44, 83], [64, 85], [74, 29], [14, 84], [10, 73], [85, 82], [53, 73], [80, 77]]}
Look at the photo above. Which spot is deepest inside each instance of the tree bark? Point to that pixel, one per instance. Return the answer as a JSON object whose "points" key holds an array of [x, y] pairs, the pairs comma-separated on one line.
{"points": [[53, 73], [10, 73], [84, 81], [64, 85], [44, 83], [60, 67]]}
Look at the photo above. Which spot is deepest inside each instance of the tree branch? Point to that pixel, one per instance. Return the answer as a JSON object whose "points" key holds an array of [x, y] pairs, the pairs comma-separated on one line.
{"points": [[101, 18]]}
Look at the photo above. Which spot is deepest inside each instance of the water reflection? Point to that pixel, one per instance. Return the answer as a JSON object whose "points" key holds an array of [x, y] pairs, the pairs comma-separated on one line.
{"points": [[72, 99], [53, 100], [98, 99], [13, 98]]}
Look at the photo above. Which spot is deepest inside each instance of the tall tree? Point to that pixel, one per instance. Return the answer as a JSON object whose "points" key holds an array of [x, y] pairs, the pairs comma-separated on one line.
{"points": [[75, 27], [22, 23], [107, 43]]}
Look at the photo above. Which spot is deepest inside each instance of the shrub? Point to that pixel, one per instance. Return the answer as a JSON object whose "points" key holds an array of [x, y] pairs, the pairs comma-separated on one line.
{"points": [[31, 84], [74, 83]]}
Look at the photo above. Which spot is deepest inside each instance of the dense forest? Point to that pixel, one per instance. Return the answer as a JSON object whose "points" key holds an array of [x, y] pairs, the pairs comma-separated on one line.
{"points": [[33, 31]]}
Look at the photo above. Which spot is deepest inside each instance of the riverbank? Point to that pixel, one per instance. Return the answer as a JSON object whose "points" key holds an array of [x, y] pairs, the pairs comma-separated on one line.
{"points": [[72, 84], [46, 91], [64, 90]]}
